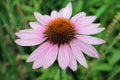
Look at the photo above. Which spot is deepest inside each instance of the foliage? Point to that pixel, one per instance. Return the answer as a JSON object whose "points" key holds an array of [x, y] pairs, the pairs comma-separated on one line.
{"points": [[16, 14]]}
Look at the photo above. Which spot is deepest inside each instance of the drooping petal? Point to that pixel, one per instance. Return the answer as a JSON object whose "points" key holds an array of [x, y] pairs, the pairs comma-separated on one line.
{"points": [[31, 34], [73, 62], [90, 30], [90, 26], [78, 54], [29, 31], [39, 51], [78, 16], [67, 11], [29, 42], [50, 56], [94, 25], [41, 18], [90, 39], [38, 55], [36, 25], [87, 48], [86, 20], [27, 35], [63, 57], [87, 27], [54, 14]]}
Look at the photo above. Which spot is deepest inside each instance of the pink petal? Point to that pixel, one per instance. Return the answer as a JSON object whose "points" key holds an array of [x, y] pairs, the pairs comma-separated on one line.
{"points": [[36, 25], [28, 42], [96, 25], [39, 55], [30, 31], [42, 19], [67, 11], [73, 62], [78, 55], [90, 39], [63, 57], [90, 30], [50, 56], [54, 14], [78, 16], [87, 48], [87, 20], [39, 51], [31, 34], [24, 35], [47, 18], [90, 26], [60, 13]]}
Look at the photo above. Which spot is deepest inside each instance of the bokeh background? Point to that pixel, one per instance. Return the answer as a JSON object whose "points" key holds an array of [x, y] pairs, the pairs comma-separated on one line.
{"points": [[16, 14]]}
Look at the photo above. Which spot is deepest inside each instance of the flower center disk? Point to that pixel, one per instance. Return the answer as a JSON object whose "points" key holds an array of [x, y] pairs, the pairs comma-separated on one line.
{"points": [[60, 31]]}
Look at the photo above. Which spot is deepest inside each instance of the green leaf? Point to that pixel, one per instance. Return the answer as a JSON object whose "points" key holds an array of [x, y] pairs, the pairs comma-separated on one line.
{"points": [[24, 57], [48, 73], [115, 57], [101, 10], [102, 67], [78, 6]]}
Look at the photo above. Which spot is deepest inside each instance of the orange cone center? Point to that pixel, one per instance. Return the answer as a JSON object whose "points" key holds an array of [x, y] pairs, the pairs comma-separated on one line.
{"points": [[60, 31]]}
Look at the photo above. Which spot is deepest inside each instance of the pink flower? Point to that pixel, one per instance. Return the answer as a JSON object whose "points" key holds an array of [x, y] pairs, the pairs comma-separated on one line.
{"points": [[61, 36]]}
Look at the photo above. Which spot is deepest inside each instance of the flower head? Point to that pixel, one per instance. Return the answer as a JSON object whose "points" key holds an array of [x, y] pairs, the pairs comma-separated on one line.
{"points": [[61, 36]]}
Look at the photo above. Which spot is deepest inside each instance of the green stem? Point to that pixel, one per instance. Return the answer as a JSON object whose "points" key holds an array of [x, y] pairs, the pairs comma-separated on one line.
{"points": [[60, 74]]}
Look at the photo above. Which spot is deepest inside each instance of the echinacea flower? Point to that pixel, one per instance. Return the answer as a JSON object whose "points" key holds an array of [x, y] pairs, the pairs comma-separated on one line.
{"points": [[61, 36]]}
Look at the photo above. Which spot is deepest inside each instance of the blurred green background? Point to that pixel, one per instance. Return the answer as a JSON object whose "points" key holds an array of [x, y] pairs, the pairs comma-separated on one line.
{"points": [[16, 14]]}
